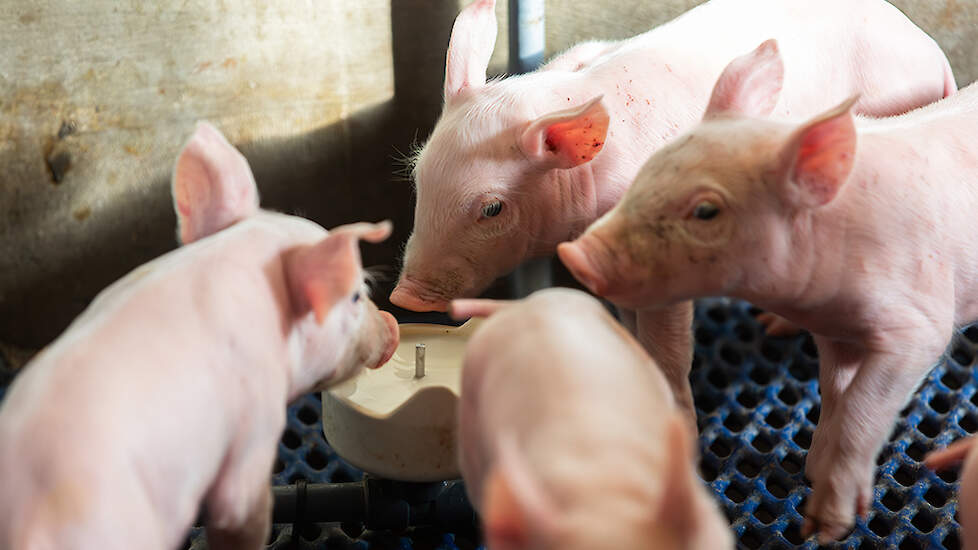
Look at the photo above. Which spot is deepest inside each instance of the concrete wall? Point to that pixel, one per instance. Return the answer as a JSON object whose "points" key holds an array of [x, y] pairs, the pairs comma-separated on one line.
{"points": [[97, 97], [953, 23]]}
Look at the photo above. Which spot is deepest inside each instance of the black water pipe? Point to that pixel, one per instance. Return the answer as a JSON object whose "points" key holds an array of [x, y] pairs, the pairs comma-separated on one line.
{"points": [[377, 504]]}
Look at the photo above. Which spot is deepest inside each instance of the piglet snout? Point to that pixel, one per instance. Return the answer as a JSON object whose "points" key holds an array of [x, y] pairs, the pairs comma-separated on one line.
{"points": [[578, 257], [410, 295], [393, 338]]}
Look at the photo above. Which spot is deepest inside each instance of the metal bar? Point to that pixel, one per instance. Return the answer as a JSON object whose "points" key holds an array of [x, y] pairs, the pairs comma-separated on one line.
{"points": [[527, 36], [527, 41], [419, 351]]}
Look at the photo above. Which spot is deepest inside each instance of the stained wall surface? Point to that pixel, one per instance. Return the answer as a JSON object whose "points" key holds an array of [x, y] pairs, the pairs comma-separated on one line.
{"points": [[953, 23], [97, 97]]}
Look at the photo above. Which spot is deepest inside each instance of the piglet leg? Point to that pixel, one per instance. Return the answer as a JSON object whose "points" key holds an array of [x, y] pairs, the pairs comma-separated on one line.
{"points": [[838, 364], [248, 535], [240, 501], [856, 423], [667, 334]]}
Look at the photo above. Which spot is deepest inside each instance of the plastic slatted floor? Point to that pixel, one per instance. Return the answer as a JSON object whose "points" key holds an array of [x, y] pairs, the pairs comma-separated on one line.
{"points": [[758, 403], [757, 399]]}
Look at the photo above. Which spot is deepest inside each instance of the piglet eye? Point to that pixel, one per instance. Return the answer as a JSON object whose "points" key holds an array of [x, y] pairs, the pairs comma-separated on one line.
{"points": [[356, 297], [492, 209], [706, 210]]}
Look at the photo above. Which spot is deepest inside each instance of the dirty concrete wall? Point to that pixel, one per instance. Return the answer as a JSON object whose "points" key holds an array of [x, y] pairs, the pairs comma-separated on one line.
{"points": [[97, 97], [954, 24]]}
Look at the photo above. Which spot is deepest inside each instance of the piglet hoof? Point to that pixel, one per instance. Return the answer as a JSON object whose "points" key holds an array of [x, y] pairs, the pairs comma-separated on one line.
{"points": [[808, 527], [775, 325], [825, 533], [831, 510]]}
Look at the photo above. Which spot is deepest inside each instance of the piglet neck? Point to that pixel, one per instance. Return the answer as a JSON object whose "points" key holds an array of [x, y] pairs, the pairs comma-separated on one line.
{"points": [[638, 129], [307, 365], [569, 206], [808, 265], [296, 358]]}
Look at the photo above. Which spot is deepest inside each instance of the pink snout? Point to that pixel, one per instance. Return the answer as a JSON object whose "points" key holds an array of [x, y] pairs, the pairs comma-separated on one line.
{"points": [[415, 297], [577, 259], [394, 338]]}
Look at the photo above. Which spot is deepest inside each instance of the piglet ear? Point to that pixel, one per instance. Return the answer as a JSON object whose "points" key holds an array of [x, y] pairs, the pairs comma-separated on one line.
{"points": [[320, 275], [568, 138], [677, 508], [465, 308], [212, 185], [470, 47], [750, 85], [818, 157], [506, 526], [513, 503], [370, 232]]}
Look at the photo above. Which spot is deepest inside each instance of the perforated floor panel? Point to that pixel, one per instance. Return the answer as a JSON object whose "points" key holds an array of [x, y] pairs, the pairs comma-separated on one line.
{"points": [[757, 400]]}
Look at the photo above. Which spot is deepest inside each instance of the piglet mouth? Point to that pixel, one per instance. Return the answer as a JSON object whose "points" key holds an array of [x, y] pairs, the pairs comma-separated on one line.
{"points": [[414, 296]]}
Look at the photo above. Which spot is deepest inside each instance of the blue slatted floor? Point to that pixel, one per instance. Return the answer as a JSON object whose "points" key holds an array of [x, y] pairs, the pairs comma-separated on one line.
{"points": [[757, 399]]}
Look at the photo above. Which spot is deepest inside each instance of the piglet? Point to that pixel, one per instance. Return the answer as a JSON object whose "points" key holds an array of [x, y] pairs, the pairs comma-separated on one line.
{"points": [[515, 166], [569, 437], [955, 453], [859, 230], [170, 390]]}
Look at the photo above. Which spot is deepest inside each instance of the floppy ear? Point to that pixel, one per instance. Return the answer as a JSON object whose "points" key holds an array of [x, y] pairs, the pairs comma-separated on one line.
{"points": [[465, 308], [567, 138], [818, 157], [750, 85], [505, 523], [320, 275], [212, 185], [677, 509], [470, 47], [515, 511]]}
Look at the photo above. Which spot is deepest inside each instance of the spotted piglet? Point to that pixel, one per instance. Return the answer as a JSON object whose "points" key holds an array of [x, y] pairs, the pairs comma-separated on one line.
{"points": [[170, 390]]}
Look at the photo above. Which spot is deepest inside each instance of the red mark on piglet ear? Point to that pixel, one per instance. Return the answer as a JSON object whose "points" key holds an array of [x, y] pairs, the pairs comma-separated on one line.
{"points": [[567, 138], [577, 141]]}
